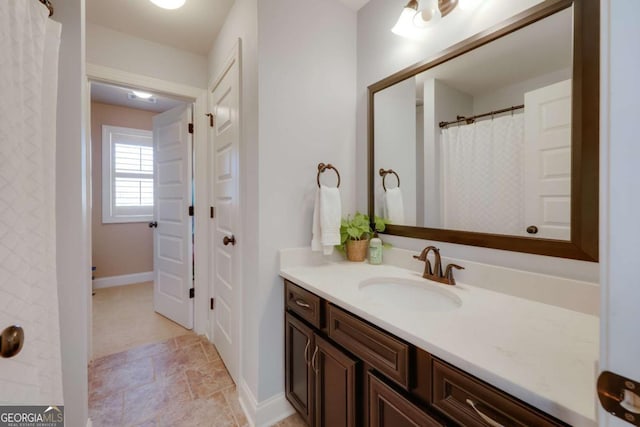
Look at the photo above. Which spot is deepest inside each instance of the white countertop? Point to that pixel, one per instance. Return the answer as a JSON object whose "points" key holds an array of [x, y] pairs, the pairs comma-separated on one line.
{"points": [[542, 354]]}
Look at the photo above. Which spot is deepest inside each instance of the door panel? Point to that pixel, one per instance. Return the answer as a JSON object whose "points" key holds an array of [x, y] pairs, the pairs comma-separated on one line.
{"points": [[224, 102], [548, 160], [172, 197], [335, 386], [388, 408], [299, 345]]}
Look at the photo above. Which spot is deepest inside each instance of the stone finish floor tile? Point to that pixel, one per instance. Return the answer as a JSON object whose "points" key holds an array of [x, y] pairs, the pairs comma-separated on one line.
{"points": [[294, 420], [123, 318], [180, 382]]}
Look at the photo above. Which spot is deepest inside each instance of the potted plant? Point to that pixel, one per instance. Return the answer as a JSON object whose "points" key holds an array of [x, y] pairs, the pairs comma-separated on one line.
{"points": [[355, 233]]}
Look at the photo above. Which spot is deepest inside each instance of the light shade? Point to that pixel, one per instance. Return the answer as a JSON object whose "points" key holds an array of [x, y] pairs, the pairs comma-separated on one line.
{"points": [[404, 26], [168, 4]]}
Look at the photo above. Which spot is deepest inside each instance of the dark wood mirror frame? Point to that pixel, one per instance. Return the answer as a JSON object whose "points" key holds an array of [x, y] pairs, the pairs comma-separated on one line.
{"points": [[584, 136]]}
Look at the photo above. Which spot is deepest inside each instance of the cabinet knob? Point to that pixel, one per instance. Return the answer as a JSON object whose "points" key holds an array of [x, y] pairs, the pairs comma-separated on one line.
{"points": [[153, 224], [228, 240], [532, 229]]}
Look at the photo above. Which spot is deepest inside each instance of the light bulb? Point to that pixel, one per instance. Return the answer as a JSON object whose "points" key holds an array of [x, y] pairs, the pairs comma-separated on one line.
{"points": [[168, 4], [428, 15]]}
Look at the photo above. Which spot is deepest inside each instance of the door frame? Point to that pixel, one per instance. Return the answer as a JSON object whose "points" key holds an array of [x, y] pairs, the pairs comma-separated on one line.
{"points": [[234, 57], [197, 96]]}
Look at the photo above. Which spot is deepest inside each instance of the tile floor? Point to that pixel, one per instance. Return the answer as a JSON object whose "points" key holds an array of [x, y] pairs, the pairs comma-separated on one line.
{"points": [[148, 371], [123, 318], [178, 382]]}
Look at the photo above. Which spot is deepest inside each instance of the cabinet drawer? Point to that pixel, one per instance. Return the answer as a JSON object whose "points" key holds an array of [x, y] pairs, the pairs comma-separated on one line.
{"points": [[388, 408], [379, 349], [303, 303], [456, 393]]}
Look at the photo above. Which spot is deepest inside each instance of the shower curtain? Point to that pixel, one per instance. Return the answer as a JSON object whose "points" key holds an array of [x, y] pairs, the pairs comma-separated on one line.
{"points": [[482, 176], [29, 45]]}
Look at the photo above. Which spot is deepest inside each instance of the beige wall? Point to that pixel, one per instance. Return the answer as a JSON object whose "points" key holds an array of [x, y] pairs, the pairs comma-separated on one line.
{"points": [[117, 248]]}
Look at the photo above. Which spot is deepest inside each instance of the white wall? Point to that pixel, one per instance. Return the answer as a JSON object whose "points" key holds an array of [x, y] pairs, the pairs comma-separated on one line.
{"points": [[514, 94], [121, 51], [307, 75], [395, 131], [72, 215], [242, 23], [381, 53]]}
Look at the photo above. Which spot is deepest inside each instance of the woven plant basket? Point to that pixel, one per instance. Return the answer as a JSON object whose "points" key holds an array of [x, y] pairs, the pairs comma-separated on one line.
{"points": [[357, 250]]}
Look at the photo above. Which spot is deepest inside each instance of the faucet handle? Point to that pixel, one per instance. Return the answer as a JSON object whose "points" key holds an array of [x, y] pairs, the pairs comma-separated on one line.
{"points": [[449, 273]]}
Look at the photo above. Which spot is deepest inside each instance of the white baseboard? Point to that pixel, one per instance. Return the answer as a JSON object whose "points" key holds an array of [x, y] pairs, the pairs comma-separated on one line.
{"points": [[265, 413], [125, 279]]}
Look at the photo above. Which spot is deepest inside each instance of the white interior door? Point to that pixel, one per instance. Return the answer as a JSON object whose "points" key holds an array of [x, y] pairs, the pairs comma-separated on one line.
{"points": [[620, 204], [224, 103], [172, 252], [548, 160]]}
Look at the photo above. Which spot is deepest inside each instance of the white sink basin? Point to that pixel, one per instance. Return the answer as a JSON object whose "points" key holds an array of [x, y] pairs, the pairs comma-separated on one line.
{"points": [[409, 294]]}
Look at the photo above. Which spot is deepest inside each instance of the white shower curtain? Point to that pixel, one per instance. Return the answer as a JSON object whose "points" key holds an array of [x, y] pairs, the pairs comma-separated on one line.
{"points": [[482, 176], [29, 44]]}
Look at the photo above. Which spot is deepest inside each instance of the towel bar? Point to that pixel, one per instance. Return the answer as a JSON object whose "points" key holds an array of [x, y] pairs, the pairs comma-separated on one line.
{"points": [[383, 173], [322, 167]]}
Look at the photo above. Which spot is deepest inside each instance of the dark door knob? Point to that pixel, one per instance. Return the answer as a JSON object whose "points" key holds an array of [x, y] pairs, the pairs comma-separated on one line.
{"points": [[153, 224], [532, 229], [228, 240], [11, 341]]}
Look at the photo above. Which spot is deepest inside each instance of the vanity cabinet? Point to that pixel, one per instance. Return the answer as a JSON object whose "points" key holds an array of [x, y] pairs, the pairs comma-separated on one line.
{"points": [[320, 378], [340, 370]]}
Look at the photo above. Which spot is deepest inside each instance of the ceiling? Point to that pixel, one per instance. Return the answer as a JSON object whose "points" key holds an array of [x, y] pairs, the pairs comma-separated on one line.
{"points": [[192, 28], [115, 95]]}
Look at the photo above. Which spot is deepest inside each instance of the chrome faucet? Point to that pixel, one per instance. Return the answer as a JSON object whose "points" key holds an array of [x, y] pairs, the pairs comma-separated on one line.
{"points": [[435, 273]]}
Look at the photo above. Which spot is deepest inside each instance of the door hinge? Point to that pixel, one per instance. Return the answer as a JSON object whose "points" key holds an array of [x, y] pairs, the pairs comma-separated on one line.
{"points": [[212, 119], [212, 212], [190, 210], [190, 127], [192, 293], [213, 303]]}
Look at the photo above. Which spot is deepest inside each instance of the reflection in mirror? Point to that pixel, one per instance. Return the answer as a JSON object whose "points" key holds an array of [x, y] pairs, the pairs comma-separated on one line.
{"points": [[482, 142]]}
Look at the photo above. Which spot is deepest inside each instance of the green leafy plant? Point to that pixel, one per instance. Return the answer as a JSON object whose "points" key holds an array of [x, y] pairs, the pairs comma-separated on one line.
{"points": [[358, 227]]}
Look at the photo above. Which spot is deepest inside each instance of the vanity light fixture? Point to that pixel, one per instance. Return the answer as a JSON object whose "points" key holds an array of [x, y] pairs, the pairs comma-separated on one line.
{"points": [[168, 4], [415, 17]]}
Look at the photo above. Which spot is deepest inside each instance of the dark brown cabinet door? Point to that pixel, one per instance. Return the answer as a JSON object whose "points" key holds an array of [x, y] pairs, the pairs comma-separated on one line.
{"points": [[388, 408], [335, 386], [299, 344]]}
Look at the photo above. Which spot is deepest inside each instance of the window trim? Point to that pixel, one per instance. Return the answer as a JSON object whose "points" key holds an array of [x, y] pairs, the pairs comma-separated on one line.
{"points": [[108, 182]]}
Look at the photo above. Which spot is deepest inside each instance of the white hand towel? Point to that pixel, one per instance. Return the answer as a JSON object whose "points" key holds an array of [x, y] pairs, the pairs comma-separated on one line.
{"points": [[394, 206], [327, 214]]}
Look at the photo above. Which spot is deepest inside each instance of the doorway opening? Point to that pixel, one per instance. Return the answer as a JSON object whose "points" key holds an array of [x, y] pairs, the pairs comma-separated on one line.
{"points": [[137, 297]]}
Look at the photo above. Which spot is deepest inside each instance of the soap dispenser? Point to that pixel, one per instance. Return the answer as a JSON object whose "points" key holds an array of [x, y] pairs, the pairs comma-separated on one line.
{"points": [[375, 250]]}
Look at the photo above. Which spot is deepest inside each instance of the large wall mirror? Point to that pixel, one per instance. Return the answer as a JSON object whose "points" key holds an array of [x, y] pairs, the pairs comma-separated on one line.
{"points": [[494, 142]]}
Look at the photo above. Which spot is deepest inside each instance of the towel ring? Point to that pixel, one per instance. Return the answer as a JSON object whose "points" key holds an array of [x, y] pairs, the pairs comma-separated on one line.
{"points": [[322, 167], [383, 173]]}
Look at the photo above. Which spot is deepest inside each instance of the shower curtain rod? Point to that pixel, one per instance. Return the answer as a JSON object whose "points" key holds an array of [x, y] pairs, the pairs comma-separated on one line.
{"points": [[472, 119], [49, 6]]}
